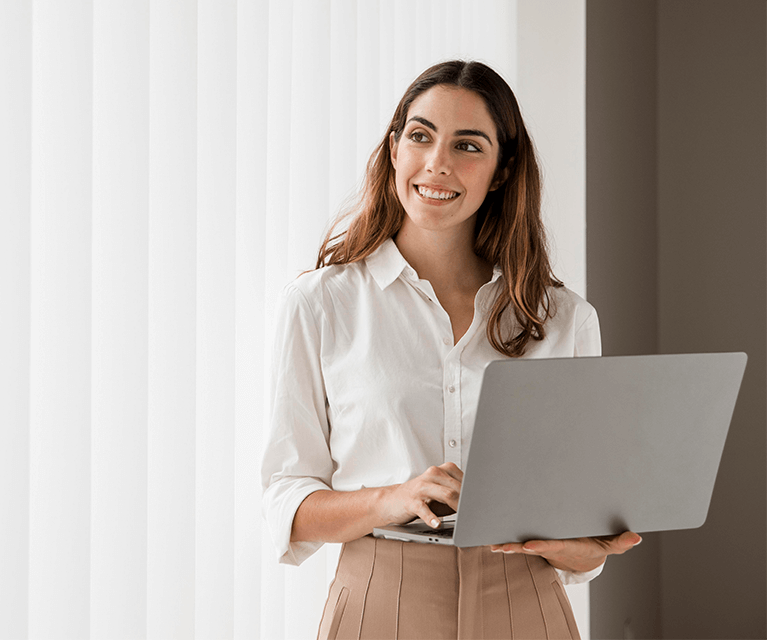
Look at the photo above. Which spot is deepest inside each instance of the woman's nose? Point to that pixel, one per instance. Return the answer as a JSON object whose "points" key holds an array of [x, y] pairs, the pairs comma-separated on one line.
{"points": [[438, 161]]}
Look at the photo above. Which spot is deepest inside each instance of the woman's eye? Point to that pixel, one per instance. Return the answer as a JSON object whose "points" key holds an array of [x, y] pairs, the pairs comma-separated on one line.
{"points": [[417, 136], [468, 146]]}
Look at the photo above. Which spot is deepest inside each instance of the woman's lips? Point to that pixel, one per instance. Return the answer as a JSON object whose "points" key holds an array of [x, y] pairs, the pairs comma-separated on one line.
{"points": [[434, 193]]}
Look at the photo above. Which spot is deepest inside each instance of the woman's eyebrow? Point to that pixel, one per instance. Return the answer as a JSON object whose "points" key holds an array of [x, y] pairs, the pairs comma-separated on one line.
{"points": [[461, 132], [474, 132], [423, 121]]}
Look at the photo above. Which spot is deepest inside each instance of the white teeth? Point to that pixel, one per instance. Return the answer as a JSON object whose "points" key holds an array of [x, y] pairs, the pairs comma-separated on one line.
{"points": [[437, 195]]}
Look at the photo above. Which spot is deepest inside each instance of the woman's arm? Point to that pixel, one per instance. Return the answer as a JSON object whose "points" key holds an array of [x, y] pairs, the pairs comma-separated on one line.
{"points": [[341, 516]]}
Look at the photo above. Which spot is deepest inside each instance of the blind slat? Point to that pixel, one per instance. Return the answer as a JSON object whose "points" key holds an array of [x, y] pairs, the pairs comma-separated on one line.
{"points": [[172, 319], [120, 338]]}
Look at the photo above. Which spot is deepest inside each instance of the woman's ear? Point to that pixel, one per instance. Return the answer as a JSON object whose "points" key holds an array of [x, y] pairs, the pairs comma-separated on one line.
{"points": [[393, 150], [500, 179]]}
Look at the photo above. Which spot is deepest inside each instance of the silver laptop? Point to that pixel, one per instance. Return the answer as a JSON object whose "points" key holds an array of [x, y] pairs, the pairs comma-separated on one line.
{"points": [[572, 447]]}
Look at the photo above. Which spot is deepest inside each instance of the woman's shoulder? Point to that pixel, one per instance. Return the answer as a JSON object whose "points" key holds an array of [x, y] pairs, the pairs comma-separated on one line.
{"points": [[314, 286], [569, 307], [565, 296]]}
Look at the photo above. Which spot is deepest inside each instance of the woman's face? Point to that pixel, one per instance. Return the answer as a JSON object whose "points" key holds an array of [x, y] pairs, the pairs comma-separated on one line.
{"points": [[445, 159]]}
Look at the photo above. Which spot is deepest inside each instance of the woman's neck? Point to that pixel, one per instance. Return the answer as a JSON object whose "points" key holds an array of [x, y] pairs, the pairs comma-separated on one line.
{"points": [[447, 260]]}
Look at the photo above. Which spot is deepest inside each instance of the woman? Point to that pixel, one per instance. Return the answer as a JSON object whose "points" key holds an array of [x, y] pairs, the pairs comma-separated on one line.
{"points": [[378, 362]]}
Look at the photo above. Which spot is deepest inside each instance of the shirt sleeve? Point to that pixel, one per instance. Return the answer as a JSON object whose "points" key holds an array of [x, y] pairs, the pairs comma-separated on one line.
{"points": [[588, 339], [297, 460]]}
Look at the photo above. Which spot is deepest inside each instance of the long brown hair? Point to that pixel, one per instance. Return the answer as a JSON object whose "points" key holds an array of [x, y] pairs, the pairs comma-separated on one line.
{"points": [[509, 231]]}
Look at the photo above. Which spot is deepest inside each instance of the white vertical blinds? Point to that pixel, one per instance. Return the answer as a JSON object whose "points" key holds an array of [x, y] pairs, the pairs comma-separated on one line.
{"points": [[250, 343], [61, 323], [15, 314], [173, 287], [216, 329], [166, 166], [119, 392]]}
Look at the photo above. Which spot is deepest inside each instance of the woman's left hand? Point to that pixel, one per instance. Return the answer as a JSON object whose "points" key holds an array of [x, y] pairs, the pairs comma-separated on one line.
{"points": [[577, 554]]}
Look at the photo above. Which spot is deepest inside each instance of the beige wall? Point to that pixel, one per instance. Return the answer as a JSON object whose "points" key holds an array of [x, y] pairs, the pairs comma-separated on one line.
{"points": [[712, 214], [677, 261]]}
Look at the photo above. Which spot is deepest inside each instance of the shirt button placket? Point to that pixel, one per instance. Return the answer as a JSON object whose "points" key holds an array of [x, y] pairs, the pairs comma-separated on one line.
{"points": [[452, 405]]}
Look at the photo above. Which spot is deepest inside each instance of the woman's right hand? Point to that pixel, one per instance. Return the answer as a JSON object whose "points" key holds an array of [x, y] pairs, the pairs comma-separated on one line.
{"points": [[415, 498]]}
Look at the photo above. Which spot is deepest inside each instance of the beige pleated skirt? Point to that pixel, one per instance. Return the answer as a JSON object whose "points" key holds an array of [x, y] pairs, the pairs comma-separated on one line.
{"points": [[406, 590]]}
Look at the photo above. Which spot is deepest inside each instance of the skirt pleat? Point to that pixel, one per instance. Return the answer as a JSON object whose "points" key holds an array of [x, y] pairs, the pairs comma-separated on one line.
{"points": [[385, 589]]}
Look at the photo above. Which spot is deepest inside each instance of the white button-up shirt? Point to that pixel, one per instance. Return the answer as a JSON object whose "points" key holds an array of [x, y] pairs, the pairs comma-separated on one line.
{"points": [[368, 387]]}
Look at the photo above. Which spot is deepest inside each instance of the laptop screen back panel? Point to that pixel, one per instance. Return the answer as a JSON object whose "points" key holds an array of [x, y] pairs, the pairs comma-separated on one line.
{"points": [[577, 447]]}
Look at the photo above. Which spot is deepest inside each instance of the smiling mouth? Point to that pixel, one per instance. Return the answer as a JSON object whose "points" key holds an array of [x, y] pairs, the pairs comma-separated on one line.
{"points": [[435, 194]]}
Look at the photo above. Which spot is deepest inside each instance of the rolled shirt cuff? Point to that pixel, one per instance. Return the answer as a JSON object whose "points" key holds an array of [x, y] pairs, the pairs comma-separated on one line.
{"points": [[578, 577], [281, 503]]}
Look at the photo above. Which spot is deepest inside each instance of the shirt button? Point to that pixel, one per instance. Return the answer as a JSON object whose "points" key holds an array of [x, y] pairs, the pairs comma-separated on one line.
{"points": [[451, 389], [447, 341], [452, 443]]}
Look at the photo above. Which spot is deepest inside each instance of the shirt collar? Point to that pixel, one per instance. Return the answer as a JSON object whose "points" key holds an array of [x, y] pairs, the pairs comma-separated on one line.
{"points": [[386, 264]]}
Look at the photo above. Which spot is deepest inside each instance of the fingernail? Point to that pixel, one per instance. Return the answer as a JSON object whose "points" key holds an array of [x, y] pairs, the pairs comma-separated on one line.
{"points": [[640, 541], [510, 551], [495, 550], [435, 523]]}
